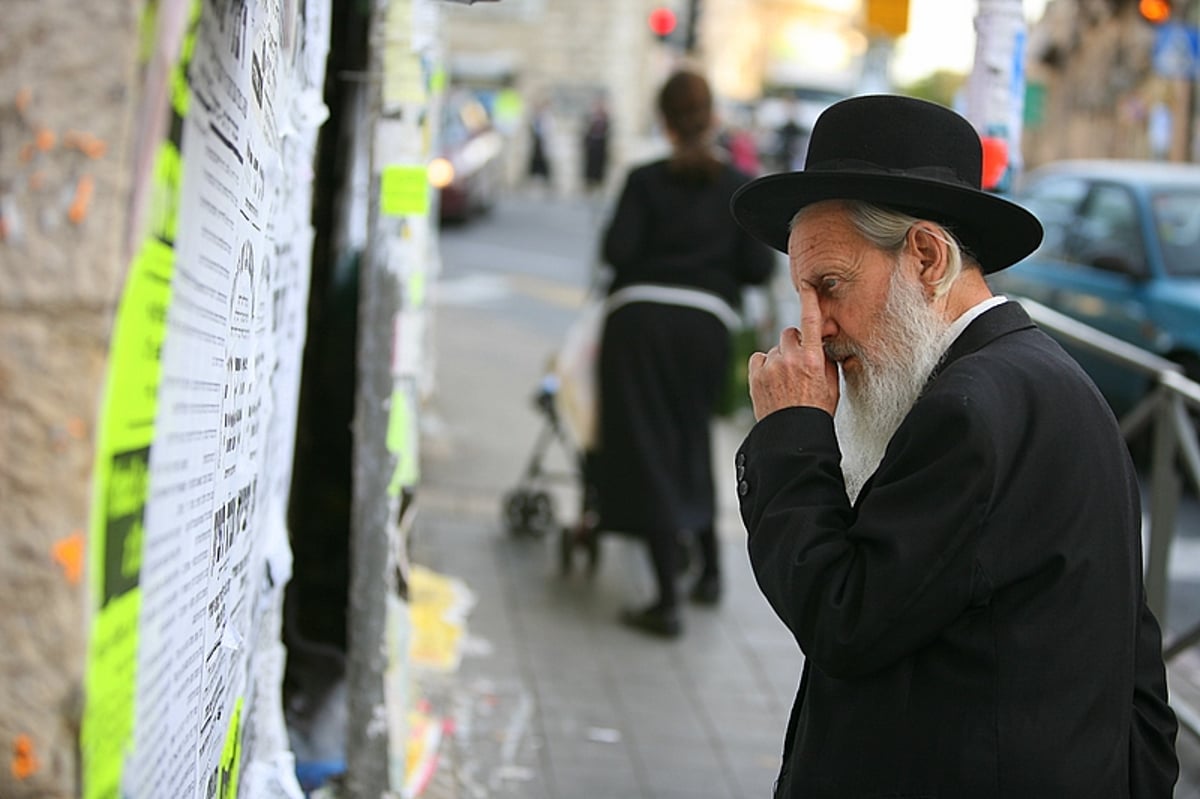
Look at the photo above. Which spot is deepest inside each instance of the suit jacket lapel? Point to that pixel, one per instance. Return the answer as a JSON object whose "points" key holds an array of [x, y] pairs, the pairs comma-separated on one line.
{"points": [[984, 329]]}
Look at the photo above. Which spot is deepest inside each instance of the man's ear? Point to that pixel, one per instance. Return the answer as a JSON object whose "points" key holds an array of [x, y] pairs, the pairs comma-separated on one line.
{"points": [[928, 243]]}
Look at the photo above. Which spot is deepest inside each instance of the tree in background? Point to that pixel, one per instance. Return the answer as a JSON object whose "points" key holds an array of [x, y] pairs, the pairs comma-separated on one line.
{"points": [[942, 87]]}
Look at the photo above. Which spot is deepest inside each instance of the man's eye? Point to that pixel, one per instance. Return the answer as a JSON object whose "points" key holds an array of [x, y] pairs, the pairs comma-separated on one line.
{"points": [[829, 285]]}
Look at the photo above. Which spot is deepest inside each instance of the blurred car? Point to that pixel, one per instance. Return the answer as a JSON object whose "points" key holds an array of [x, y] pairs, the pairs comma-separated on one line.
{"points": [[469, 167], [1121, 254]]}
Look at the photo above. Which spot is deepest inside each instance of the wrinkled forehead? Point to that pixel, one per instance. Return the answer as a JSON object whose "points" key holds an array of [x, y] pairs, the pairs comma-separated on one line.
{"points": [[823, 237], [822, 208]]}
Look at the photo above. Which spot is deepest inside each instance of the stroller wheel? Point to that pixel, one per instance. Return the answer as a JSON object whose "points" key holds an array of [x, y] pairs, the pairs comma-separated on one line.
{"points": [[511, 506], [539, 514], [584, 536], [516, 515], [528, 512]]}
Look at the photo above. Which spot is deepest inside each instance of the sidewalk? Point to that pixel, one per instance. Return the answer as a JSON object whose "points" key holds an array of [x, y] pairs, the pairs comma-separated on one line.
{"points": [[552, 697]]}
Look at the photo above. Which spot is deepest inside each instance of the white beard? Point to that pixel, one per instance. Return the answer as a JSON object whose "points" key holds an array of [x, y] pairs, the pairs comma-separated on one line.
{"points": [[893, 370]]}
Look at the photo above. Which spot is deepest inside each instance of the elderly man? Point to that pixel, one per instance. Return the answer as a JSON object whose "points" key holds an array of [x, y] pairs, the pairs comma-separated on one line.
{"points": [[939, 503]]}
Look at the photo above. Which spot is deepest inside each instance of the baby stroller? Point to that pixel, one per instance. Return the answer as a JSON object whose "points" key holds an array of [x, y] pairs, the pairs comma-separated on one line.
{"points": [[565, 398]]}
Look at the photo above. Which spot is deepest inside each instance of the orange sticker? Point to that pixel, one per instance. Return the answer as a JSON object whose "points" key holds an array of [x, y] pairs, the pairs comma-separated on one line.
{"points": [[45, 139], [81, 200], [68, 553], [85, 143], [76, 427], [24, 761]]}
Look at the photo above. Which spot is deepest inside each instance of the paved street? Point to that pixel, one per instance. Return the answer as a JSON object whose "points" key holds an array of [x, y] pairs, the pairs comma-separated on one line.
{"points": [[552, 698]]}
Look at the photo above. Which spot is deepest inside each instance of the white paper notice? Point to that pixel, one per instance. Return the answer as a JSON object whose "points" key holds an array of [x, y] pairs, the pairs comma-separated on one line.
{"points": [[216, 556]]}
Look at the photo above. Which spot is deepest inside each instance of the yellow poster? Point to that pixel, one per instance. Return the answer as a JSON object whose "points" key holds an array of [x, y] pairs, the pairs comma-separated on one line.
{"points": [[404, 190], [121, 477], [120, 491], [438, 606]]}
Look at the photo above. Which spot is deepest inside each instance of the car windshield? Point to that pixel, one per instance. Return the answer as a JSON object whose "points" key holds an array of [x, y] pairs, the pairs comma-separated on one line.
{"points": [[1177, 220]]}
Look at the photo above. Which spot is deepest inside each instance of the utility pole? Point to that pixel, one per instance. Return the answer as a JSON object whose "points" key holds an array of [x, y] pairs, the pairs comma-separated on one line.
{"points": [[690, 43], [996, 87], [403, 41], [372, 549], [1184, 135], [885, 22]]}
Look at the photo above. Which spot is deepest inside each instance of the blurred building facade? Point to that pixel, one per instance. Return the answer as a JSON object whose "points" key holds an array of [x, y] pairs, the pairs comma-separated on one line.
{"points": [[1099, 84], [521, 53], [567, 52]]}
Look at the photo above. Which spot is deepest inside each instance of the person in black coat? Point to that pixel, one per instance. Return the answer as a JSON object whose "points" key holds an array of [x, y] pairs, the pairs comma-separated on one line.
{"points": [[595, 146], [939, 502], [540, 127], [679, 264]]}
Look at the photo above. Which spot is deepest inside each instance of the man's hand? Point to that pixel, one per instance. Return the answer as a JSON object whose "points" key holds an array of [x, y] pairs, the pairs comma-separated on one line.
{"points": [[796, 372]]}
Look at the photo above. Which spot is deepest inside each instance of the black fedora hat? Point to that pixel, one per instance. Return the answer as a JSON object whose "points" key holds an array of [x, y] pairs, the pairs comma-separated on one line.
{"points": [[910, 155]]}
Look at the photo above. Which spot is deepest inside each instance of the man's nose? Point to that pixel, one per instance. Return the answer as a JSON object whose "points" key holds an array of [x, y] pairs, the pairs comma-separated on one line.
{"points": [[829, 326]]}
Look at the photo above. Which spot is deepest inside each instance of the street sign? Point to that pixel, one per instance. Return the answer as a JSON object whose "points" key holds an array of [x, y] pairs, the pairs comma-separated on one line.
{"points": [[1176, 50]]}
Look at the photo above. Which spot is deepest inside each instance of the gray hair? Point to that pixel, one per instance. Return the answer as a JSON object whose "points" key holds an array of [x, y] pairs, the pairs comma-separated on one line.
{"points": [[887, 230]]}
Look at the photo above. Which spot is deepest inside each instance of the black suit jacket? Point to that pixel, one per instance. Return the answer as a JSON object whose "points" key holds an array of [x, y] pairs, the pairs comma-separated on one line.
{"points": [[975, 626]]}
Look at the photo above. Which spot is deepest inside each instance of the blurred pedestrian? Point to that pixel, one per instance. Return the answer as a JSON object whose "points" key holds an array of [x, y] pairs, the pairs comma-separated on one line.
{"points": [[540, 133], [1158, 131], [739, 143], [790, 138], [679, 263], [940, 504], [595, 146]]}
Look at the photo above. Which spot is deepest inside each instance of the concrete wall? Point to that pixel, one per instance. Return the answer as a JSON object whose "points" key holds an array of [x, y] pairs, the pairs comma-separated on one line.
{"points": [[68, 85], [162, 678]]}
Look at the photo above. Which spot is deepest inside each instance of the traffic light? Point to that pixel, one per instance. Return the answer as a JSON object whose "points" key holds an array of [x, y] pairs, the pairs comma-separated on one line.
{"points": [[1155, 11], [662, 22]]}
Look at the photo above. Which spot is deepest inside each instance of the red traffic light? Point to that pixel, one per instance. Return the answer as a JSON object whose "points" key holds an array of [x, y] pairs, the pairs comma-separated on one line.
{"points": [[1155, 11], [662, 22]]}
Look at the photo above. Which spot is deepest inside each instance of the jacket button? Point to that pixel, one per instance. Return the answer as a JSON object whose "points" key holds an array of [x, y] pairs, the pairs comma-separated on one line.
{"points": [[741, 459], [741, 472], [743, 488]]}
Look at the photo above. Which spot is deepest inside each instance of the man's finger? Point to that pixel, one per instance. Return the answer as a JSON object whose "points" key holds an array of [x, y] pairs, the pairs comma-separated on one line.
{"points": [[810, 315], [789, 339]]}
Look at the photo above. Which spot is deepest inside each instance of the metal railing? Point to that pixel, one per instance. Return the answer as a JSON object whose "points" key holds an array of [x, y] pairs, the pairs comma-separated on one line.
{"points": [[1165, 412]]}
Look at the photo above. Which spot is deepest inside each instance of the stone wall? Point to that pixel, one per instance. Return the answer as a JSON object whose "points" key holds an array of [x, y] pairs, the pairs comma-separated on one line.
{"points": [[1094, 63], [68, 84]]}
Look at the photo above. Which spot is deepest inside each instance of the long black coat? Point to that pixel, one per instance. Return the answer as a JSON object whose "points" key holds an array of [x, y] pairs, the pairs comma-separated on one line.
{"points": [[975, 626], [662, 366]]}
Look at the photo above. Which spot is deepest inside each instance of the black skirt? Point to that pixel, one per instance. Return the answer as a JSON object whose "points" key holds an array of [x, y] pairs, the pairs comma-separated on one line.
{"points": [[661, 371]]}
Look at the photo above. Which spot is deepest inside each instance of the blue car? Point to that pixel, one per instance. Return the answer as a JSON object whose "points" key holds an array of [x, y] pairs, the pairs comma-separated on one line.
{"points": [[1122, 255]]}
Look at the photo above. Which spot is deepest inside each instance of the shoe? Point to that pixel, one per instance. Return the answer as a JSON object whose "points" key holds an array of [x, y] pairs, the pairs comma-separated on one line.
{"points": [[663, 622], [707, 590]]}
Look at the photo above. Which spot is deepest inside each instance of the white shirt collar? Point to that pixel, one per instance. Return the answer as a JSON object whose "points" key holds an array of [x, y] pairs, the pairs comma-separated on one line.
{"points": [[960, 324]]}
